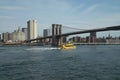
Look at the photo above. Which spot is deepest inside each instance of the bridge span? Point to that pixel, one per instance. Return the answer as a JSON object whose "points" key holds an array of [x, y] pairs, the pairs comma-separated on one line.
{"points": [[92, 30], [57, 38]]}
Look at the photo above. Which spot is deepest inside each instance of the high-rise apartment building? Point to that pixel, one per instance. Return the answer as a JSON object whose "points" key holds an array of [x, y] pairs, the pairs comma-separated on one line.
{"points": [[25, 30], [32, 29], [46, 32]]}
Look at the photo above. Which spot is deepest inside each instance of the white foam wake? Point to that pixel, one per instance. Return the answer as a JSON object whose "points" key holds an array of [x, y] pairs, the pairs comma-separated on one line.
{"points": [[44, 48]]}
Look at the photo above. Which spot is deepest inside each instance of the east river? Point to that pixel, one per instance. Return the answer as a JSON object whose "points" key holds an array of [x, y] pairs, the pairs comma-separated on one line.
{"points": [[86, 62]]}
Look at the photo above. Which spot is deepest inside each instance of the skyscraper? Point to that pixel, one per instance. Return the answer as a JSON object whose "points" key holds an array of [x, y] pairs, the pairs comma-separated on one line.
{"points": [[46, 32], [25, 30], [32, 29]]}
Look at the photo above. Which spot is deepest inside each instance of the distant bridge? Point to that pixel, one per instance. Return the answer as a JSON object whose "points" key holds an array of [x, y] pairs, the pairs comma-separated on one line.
{"points": [[57, 37]]}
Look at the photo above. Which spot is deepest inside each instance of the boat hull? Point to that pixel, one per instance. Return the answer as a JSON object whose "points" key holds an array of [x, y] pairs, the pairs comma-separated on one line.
{"points": [[68, 46]]}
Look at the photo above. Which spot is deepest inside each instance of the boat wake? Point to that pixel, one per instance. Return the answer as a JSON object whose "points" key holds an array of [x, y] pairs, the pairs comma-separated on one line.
{"points": [[49, 48]]}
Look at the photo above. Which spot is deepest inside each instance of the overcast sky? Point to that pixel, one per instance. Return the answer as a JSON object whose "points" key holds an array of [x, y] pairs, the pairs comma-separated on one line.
{"points": [[83, 14]]}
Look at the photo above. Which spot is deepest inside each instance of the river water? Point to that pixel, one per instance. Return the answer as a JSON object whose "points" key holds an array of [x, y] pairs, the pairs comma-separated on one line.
{"points": [[87, 62]]}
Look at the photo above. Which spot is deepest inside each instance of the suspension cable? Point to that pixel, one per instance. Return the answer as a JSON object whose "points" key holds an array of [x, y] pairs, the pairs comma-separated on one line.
{"points": [[73, 28]]}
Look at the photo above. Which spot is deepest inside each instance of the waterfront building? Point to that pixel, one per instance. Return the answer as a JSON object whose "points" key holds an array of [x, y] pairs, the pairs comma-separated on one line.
{"points": [[88, 39], [25, 30], [18, 35], [83, 40], [5, 36], [101, 40], [76, 39], [10, 36], [0, 37], [32, 29], [46, 32], [113, 40]]}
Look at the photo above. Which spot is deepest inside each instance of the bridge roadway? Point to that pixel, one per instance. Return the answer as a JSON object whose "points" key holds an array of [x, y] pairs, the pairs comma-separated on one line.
{"points": [[81, 32]]}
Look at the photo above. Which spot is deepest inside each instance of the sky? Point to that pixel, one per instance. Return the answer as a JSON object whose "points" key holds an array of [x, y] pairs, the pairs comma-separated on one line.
{"points": [[82, 14]]}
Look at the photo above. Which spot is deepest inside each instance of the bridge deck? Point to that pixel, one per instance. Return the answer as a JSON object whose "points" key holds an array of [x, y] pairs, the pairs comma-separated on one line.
{"points": [[81, 32]]}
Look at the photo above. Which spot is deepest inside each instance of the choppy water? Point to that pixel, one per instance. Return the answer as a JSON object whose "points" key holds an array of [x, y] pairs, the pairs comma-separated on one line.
{"points": [[97, 62]]}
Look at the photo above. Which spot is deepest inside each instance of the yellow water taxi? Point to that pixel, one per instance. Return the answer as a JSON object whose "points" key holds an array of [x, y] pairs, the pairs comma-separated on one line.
{"points": [[68, 46]]}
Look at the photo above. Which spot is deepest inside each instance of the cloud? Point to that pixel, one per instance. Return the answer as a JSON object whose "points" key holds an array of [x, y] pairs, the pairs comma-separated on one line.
{"points": [[12, 8], [6, 17], [90, 9]]}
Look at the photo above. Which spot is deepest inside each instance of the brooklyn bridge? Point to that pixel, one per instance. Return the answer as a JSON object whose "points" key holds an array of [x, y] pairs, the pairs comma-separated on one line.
{"points": [[57, 35]]}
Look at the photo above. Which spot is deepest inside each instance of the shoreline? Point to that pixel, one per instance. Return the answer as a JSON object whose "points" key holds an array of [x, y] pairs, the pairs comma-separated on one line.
{"points": [[2, 45], [97, 43]]}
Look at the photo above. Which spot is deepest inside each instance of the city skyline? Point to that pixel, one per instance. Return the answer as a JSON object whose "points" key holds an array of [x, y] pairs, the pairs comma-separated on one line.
{"points": [[85, 14], [19, 35]]}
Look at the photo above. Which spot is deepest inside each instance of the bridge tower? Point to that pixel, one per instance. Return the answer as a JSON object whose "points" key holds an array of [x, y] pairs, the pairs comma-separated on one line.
{"points": [[92, 37], [56, 30]]}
